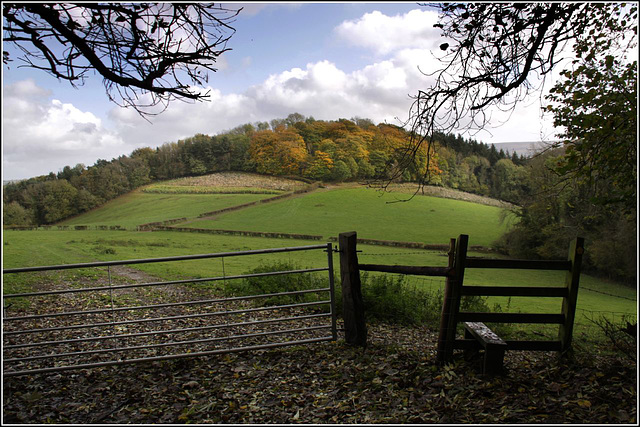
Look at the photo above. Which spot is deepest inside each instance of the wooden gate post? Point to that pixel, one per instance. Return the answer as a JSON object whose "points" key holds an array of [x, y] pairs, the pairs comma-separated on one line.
{"points": [[572, 280], [352, 305], [455, 285], [446, 307]]}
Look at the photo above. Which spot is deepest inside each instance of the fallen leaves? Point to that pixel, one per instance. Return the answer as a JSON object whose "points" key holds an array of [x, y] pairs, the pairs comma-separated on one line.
{"points": [[394, 381]]}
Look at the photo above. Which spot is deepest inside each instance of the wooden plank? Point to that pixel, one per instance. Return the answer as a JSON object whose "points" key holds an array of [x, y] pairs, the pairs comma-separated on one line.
{"points": [[484, 334], [511, 317], [407, 269], [352, 303], [520, 264], [515, 291], [572, 281], [493, 362], [494, 346]]}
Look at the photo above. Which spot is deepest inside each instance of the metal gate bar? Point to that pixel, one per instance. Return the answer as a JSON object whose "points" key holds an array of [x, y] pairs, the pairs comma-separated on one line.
{"points": [[158, 319], [173, 304], [170, 331], [172, 282], [175, 343], [165, 259], [166, 344]]}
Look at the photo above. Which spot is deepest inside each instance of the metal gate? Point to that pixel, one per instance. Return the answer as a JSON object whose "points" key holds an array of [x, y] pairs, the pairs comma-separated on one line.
{"points": [[96, 326]]}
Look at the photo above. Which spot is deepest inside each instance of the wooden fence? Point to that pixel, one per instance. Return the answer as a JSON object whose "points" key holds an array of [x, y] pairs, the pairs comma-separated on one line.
{"points": [[355, 330]]}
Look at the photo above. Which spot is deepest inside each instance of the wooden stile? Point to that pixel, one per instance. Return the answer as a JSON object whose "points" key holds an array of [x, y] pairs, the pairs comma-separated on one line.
{"points": [[353, 309], [455, 290]]}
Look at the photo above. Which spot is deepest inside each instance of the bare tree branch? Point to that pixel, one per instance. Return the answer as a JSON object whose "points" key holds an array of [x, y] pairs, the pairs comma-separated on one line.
{"points": [[147, 54], [495, 56]]}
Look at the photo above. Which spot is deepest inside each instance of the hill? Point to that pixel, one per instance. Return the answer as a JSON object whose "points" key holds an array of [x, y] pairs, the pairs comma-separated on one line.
{"points": [[327, 211], [316, 150], [423, 219]]}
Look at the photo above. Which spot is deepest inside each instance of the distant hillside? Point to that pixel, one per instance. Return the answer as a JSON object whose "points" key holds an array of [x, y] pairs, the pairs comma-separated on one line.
{"points": [[526, 149], [309, 149]]}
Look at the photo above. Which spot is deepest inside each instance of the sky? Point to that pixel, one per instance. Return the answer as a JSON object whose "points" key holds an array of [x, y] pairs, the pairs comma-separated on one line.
{"points": [[322, 60]]}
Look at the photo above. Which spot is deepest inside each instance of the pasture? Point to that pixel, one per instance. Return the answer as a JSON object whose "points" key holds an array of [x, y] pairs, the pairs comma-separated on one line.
{"points": [[398, 365], [52, 247], [139, 207], [327, 212], [372, 213]]}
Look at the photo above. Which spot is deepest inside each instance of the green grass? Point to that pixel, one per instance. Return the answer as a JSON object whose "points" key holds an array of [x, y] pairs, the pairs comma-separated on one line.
{"points": [[54, 247], [423, 219], [30, 248], [372, 214], [137, 208]]}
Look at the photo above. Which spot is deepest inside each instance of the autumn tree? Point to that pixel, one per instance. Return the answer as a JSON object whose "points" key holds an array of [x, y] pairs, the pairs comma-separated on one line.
{"points": [[277, 153], [147, 53]]}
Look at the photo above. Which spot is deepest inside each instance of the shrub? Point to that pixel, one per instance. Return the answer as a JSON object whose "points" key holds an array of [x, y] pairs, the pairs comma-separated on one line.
{"points": [[389, 299], [277, 284], [621, 335]]}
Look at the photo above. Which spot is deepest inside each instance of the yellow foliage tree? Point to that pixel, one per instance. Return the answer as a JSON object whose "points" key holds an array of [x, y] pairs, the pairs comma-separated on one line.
{"points": [[277, 153]]}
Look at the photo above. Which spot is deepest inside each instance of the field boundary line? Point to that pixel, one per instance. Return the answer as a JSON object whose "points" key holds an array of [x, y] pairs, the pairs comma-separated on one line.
{"points": [[270, 235]]}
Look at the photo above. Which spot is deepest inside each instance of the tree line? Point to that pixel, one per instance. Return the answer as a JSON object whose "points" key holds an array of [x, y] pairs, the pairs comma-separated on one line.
{"points": [[330, 151], [550, 210]]}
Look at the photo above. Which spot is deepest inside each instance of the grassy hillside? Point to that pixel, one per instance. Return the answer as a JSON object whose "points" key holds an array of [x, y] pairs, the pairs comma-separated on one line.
{"points": [[139, 207], [373, 214]]}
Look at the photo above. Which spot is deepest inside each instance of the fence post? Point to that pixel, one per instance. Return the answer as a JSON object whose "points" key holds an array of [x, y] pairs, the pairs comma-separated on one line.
{"points": [[572, 280], [352, 304], [446, 307], [455, 285]]}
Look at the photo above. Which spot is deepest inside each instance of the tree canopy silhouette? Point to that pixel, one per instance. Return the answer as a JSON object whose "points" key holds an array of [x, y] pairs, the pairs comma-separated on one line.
{"points": [[147, 53], [495, 55]]}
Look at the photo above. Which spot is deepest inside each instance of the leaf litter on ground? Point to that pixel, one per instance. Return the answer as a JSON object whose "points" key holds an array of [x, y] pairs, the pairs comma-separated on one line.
{"points": [[394, 380]]}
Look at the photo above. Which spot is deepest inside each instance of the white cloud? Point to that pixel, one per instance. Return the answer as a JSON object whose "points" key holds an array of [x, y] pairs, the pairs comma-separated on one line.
{"points": [[386, 34], [321, 90], [40, 135]]}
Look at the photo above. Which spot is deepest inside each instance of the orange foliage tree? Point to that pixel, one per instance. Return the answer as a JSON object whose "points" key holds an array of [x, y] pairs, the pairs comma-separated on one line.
{"points": [[279, 152]]}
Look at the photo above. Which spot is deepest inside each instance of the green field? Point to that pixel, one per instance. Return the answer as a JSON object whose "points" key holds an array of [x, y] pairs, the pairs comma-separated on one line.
{"points": [[373, 214], [326, 212], [138, 207], [28, 248]]}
